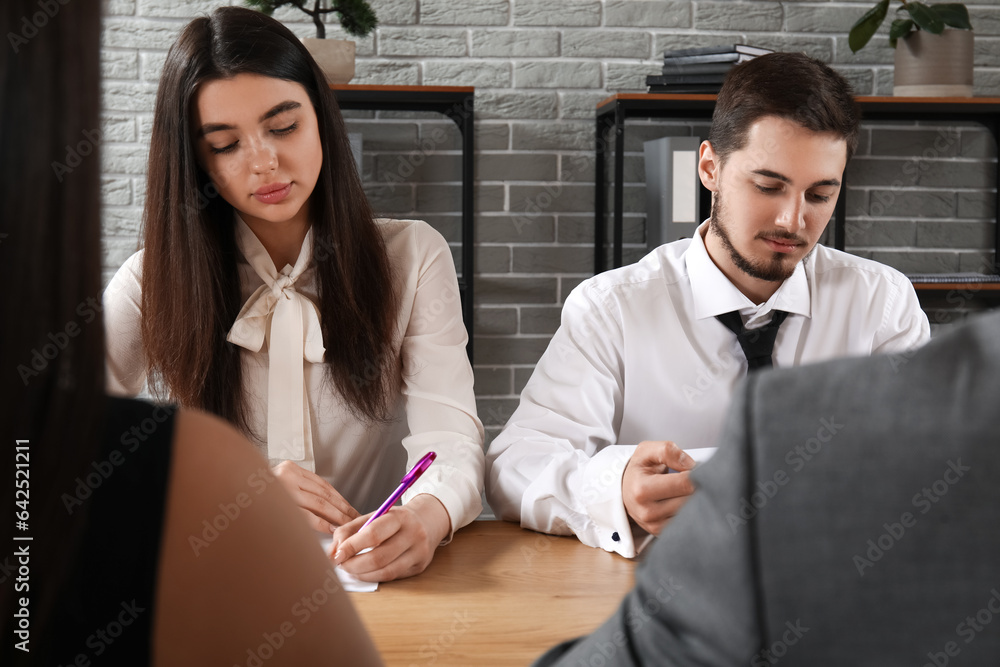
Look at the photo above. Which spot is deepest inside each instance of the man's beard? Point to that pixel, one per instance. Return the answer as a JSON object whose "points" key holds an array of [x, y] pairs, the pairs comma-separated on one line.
{"points": [[777, 269]]}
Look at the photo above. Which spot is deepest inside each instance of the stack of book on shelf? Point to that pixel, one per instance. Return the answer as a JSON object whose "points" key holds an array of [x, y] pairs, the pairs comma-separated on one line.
{"points": [[701, 69]]}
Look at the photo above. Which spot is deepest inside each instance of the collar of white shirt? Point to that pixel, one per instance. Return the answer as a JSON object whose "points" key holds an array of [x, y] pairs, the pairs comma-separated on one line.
{"points": [[714, 294]]}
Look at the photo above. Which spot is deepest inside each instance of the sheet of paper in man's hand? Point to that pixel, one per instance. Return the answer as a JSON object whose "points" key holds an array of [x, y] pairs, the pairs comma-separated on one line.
{"points": [[700, 454], [350, 583]]}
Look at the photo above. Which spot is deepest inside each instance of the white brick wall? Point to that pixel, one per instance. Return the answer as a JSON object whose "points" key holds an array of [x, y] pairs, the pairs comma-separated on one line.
{"points": [[540, 67]]}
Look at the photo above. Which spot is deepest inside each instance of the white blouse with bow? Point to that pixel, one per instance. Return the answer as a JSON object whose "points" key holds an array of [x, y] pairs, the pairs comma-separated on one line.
{"points": [[306, 420]]}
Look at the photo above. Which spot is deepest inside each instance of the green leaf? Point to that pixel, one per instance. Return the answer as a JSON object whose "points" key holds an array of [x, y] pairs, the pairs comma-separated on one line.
{"points": [[862, 31], [899, 28], [266, 6], [925, 17], [262, 6], [955, 15], [356, 16]]}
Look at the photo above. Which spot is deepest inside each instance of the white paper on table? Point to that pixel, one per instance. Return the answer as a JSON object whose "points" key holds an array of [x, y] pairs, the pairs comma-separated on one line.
{"points": [[350, 583]]}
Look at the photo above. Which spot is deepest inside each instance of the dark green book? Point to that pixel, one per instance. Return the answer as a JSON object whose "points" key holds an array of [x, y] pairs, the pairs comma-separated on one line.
{"points": [[687, 88], [669, 79], [699, 68]]}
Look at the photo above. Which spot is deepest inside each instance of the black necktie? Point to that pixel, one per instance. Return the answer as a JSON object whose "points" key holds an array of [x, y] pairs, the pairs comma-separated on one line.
{"points": [[756, 343]]}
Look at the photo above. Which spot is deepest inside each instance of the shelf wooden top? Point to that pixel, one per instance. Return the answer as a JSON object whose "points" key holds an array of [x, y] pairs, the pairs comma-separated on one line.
{"points": [[653, 97], [402, 89], [889, 99], [986, 104], [699, 97], [861, 98], [497, 595]]}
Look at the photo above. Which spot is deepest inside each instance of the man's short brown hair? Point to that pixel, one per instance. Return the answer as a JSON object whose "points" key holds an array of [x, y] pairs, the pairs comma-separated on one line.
{"points": [[788, 85]]}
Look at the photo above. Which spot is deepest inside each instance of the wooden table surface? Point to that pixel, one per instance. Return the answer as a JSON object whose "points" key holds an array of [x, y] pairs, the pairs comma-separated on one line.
{"points": [[497, 595]]}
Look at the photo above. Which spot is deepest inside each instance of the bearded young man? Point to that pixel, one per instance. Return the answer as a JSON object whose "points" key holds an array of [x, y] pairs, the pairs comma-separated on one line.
{"points": [[647, 356]]}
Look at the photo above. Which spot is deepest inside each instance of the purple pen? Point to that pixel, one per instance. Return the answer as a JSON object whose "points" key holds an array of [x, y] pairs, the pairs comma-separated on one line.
{"points": [[405, 483]]}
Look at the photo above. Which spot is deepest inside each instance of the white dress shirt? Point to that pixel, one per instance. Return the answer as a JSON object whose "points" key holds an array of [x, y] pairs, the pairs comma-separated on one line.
{"points": [[435, 408], [640, 356]]}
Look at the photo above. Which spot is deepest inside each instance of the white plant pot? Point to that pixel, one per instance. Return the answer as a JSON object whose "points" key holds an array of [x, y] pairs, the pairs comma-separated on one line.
{"points": [[334, 56], [929, 65]]}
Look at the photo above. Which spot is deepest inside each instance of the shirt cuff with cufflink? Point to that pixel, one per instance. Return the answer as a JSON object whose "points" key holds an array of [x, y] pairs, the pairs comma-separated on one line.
{"points": [[600, 490]]}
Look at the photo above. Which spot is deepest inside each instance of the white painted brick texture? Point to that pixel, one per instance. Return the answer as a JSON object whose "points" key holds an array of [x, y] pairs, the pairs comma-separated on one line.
{"points": [[539, 68]]}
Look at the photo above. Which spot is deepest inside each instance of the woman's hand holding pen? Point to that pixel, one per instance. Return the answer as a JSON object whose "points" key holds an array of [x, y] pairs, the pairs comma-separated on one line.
{"points": [[402, 541], [323, 507]]}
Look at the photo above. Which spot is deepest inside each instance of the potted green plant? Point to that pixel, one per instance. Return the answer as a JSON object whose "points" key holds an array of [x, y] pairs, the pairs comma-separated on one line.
{"points": [[931, 59], [335, 57]]}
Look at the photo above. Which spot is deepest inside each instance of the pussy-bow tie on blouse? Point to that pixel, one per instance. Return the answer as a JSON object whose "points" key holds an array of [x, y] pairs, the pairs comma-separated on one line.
{"points": [[276, 313]]}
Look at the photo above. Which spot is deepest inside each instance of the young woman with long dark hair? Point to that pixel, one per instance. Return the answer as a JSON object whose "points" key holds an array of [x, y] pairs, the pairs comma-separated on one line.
{"points": [[108, 494], [268, 293]]}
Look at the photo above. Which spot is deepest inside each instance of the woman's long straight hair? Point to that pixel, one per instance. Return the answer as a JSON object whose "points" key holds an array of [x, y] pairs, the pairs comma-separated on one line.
{"points": [[190, 283]]}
